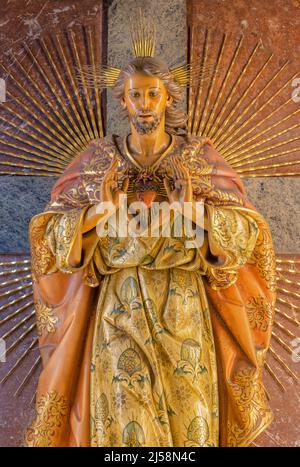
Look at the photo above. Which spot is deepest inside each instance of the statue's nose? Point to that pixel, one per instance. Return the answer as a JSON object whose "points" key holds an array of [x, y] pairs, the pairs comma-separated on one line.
{"points": [[145, 102]]}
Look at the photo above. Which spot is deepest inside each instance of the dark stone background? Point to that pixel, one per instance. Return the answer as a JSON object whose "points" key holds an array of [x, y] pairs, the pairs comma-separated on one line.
{"points": [[21, 197]]}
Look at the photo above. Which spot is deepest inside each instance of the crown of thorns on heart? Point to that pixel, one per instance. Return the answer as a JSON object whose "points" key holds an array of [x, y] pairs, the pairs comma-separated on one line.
{"points": [[146, 180]]}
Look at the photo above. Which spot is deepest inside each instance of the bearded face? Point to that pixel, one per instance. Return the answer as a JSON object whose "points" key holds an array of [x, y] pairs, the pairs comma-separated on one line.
{"points": [[145, 99], [145, 121]]}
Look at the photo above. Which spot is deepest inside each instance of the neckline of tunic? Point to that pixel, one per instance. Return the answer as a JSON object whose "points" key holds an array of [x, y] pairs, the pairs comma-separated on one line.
{"points": [[167, 153]]}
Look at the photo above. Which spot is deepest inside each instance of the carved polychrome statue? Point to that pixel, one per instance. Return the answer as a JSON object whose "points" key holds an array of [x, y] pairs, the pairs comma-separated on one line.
{"points": [[145, 341]]}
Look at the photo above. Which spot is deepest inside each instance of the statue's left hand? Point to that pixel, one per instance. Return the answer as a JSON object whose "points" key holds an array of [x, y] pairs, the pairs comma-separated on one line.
{"points": [[183, 191]]}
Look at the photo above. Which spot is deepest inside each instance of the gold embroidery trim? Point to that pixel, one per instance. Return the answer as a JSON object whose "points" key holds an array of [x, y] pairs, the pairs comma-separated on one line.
{"points": [[42, 258], [250, 397], [260, 313], [46, 320], [51, 411], [62, 236]]}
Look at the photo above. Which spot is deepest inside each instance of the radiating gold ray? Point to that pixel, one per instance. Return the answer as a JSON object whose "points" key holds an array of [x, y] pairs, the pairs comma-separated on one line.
{"points": [[275, 378], [20, 359], [33, 397], [16, 312], [82, 126], [18, 325], [27, 141], [40, 160], [231, 156], [266, 149], [27, 150], [52, 172], [288, 317], [190, 93], [100, 131], [230, 96], [283, 344], [198, 100], [61, 155], [19, 339], [288, 281], [293, 271], [185, 73], [216, 121], [88, 109], [59, 150], [290, 292], [268, 166], [235, 147], [239, 127], [212, 111], [68, 138], [284, 329], [282, 300], [285, 260], [283, 364], [12, 292], [273, 174], [264, 158], [29, 374], [84, 123], [97, 77], [13, 262], [17, 279], [142, 32], [14, 271], [263, 141], [60, 101], [40, 174], [207, 104], [237, 105]]}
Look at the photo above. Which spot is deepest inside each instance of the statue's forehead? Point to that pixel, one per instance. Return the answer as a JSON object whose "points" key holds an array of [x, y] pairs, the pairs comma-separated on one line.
{"points": [[139, 80]]}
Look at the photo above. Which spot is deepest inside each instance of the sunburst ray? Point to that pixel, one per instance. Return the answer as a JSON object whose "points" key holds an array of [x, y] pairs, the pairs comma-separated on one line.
{"points": [[48, 121], [247, 109]]}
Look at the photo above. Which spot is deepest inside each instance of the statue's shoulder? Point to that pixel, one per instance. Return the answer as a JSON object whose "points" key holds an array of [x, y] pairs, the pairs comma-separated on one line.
{"points": [[193, 153], [191, 146], [104, 146], [101, 151]]}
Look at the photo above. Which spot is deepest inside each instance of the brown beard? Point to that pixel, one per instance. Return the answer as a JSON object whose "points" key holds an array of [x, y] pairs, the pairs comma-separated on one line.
{"points": [[145, 127]]}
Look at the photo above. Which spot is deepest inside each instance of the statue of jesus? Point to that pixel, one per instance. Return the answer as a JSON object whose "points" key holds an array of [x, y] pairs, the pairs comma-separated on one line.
{"points": [[150, 340]]}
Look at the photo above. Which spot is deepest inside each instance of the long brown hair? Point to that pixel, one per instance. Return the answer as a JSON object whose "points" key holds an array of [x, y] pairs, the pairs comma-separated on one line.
{"points": [[152, 66]]}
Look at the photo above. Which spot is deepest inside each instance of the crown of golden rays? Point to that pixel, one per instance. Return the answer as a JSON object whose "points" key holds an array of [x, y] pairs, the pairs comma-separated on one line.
{"points": [[143, 37]]}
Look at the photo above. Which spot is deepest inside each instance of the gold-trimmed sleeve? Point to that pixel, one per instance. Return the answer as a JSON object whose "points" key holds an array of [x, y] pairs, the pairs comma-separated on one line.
{"points": [[58, 244], [228, 244]]}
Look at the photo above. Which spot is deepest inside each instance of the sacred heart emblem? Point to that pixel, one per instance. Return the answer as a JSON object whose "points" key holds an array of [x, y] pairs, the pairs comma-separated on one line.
{"points": [[146, 186]]}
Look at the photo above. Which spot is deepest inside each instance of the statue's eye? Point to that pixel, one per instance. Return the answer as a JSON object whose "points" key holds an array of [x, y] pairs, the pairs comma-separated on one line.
{"points": [[153, 94], [135, 94]]}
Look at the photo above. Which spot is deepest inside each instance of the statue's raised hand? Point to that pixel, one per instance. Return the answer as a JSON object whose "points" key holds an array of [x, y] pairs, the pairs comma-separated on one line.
{"points": [[110, 191], [183, 191]]}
